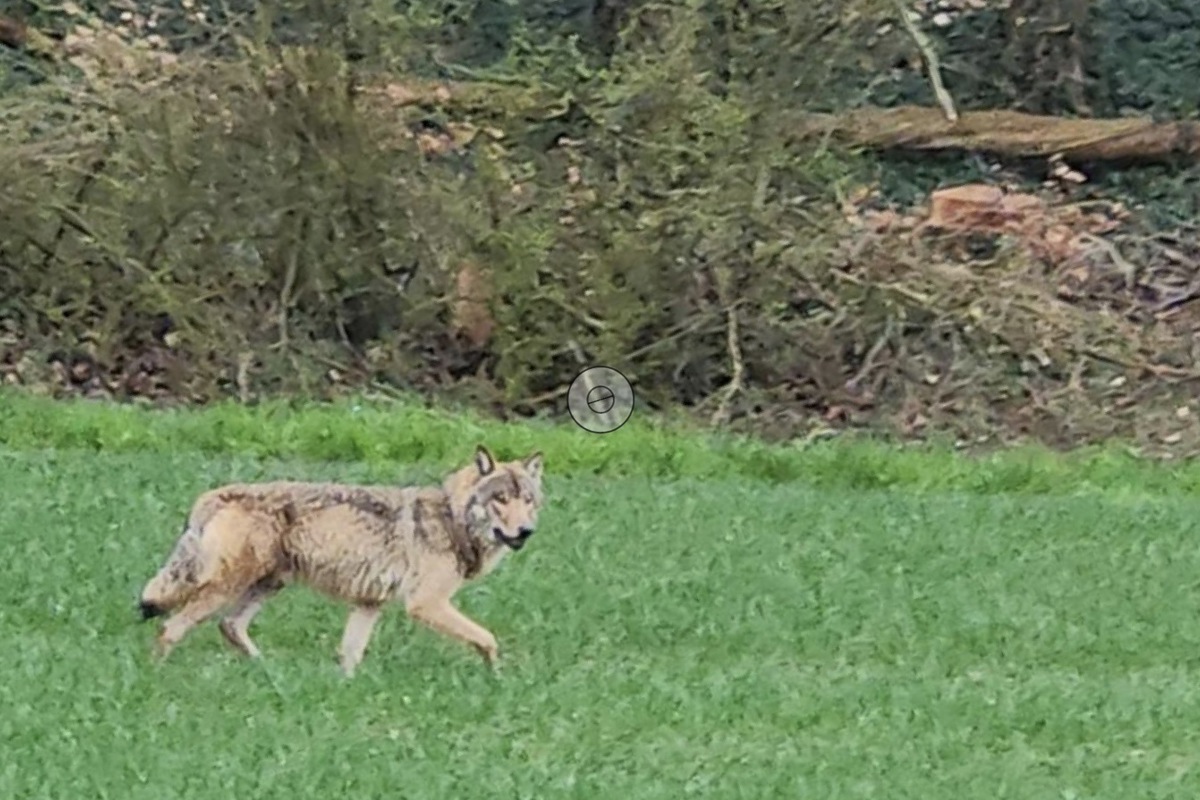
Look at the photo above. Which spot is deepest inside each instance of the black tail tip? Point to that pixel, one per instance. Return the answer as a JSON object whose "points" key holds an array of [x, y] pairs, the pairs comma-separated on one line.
{"points": [[149, 610]]}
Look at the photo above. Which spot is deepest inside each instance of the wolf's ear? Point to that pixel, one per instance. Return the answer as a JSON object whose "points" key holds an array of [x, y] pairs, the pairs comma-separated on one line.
{"points": [[533, 466], [484, 461]]}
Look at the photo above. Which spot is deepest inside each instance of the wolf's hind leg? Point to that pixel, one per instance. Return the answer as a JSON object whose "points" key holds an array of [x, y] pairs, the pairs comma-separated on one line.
{"points": [[236, 624], [200, 607], [359, 626]]}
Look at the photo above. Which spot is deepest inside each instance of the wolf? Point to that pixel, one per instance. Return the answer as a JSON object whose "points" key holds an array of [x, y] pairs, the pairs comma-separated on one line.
{"points": [[365, 545]]}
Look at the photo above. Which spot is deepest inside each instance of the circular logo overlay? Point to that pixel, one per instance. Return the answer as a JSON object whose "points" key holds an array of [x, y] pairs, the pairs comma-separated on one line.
{"points": [[600, 400]]}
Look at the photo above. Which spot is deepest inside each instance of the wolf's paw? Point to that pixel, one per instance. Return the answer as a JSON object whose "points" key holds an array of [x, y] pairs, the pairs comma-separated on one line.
{"points": [[161, 649], [490, 652]]}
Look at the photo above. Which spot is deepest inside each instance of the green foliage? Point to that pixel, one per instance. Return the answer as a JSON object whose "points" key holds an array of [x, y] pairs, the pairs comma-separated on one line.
{"points": [[391, 436], [1140, 50], [284, 209], [268, 186], [725, 638]]}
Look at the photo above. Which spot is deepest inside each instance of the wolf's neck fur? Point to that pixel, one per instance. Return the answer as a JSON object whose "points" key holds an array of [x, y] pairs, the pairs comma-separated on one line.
{"points": [[471, 546], [477, 550]]}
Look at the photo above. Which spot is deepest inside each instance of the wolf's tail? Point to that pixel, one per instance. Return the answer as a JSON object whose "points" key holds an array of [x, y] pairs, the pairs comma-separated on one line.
{"points": [[187, 569]]}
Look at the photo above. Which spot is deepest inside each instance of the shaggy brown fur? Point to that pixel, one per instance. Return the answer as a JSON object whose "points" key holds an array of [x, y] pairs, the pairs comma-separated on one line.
{"points": [[364, 545]]}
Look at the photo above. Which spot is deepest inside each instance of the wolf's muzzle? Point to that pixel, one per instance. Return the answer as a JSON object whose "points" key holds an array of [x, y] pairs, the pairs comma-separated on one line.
{"points": [[514, 542]]}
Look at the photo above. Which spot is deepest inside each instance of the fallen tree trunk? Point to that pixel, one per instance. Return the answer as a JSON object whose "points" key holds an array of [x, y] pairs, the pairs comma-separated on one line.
{"points": [[1004, 133], [1008, 133]]}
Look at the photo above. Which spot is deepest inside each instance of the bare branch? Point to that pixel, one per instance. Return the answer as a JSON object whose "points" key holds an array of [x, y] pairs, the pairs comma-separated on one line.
{"points": [[909, 18]]}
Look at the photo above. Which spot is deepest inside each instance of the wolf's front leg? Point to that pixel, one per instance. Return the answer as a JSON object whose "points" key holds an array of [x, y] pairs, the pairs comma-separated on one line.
{"points": [[443, 617]]}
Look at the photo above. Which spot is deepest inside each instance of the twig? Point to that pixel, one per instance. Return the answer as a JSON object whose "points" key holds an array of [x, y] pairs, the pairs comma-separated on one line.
{"points": [[287, 291], [692, 326], [89, 176], [544, 397], [869, 361], [80, 225], [164, 233], [1183, 298], [931, 60], [285, 298], [734, 346], [384, 390], [594, 323], [911, 294], [577, 351], [572, 347], [1129, 271], [242, 376]]}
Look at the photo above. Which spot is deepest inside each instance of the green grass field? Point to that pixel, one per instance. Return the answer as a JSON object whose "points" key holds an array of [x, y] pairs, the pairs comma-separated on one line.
{"points": [[740, 635]]}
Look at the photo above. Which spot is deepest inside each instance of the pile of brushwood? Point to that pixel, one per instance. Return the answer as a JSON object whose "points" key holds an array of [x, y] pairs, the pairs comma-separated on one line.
{"points": [[692, 196]]}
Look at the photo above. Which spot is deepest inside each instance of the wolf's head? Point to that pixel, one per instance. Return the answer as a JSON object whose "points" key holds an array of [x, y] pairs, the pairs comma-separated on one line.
{"points": [[498, 500]]}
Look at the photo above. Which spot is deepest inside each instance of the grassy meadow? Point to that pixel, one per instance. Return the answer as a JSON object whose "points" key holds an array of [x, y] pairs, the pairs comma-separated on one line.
{"points": [[696, 618]]}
